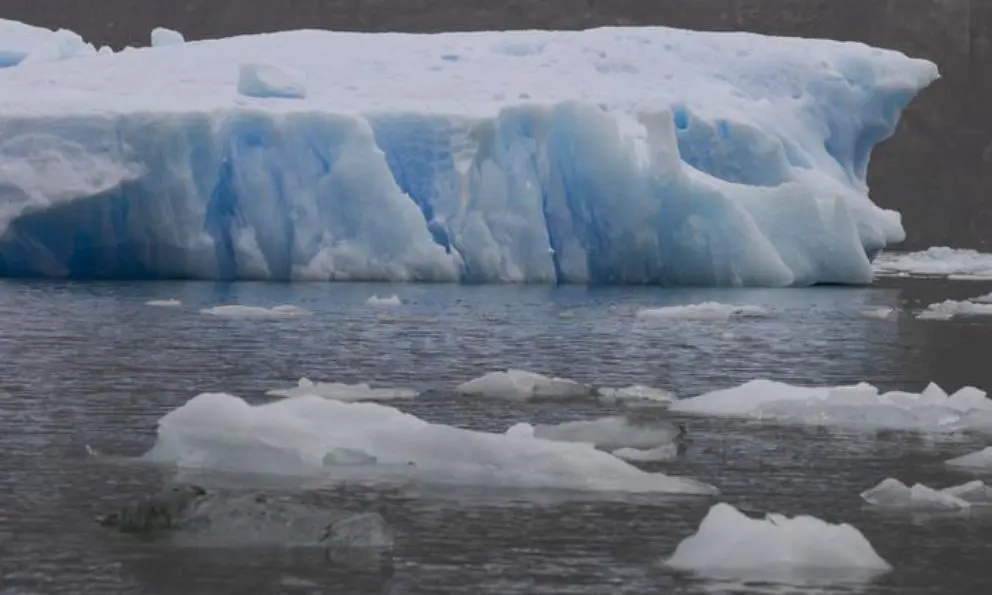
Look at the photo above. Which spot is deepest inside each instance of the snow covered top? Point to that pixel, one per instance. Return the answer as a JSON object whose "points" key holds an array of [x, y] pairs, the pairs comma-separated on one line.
{"points": [[18, 41], [475, 73]]}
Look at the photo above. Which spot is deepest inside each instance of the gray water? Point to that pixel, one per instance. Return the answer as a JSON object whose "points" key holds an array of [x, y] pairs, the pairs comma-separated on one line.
{"points": [[91, 364]]}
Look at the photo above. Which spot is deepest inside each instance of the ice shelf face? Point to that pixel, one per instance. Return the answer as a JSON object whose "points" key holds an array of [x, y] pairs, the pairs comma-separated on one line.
{"points": [[615, 155]]}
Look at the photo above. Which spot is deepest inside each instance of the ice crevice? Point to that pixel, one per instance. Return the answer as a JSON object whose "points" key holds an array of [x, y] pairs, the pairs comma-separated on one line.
{"points": [[744, 170]]}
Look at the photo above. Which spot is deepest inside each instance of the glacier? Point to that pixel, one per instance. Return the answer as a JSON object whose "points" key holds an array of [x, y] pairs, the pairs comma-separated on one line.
{"points": [[613, 155], [21, 43]]}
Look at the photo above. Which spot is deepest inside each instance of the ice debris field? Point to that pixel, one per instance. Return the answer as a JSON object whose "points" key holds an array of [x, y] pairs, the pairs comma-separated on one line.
{"points": [[614, 155]]}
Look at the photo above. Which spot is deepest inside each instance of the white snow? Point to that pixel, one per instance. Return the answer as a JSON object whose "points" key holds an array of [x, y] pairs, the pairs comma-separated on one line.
{"points": [[162, 37], [949, 309], [343, 392], [953, 263], [392, 300], [609, 433], [235, 311], [612, 155], [664, 452], [268, 80], [172, 303], [859, 406], [293, 437], [25, 44], [521, 384], [636, 395], [893, 493], [979, 461], [730, 543], [703, 311]]}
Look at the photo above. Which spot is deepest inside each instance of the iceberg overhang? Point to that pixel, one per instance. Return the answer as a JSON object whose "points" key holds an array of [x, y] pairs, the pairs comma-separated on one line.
{"points": [[616, 155]]}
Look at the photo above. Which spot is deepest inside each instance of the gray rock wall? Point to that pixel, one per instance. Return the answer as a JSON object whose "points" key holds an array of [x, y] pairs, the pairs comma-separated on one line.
{"points": [[937, 170]]}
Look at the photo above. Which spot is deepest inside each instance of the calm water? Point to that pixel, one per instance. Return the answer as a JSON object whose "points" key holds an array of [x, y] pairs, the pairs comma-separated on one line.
{"points": [[91, 364]]}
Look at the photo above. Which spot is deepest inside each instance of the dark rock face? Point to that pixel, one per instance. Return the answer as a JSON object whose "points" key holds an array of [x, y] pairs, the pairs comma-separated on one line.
{"points": [[937, 170]]}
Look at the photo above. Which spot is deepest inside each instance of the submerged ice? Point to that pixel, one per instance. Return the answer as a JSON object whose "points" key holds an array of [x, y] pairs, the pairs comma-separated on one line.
{"points": [[614, 155]]}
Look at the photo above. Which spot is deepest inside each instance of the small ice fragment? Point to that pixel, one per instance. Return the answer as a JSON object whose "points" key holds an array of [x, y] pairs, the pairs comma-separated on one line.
{"points": [[233, 311], [893, 493], [637, 395], [609, 433], [269, 81], [664, 452], [342, 392], [704, 311], [365, 530], [520, 384], [881, 313], [164, 303], [979, 461], [392, 300], [164, 37]]}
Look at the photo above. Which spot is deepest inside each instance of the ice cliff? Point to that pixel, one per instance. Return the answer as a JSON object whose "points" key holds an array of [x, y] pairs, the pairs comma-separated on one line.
{"points": [[615, 155]]}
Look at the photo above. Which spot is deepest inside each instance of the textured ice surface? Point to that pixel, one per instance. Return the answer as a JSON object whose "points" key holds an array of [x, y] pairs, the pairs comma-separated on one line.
{"points": [[954, 263], [268, 80], [293, 437], [521, 384], [164, 303], [162, 37], [636, 395], [21, 43], [856, 406], [664, 452], [392, 300], [978, 461], [234, 311], [893, 493], [703, 311], [343, 392], [729, 543], [949, 309], [614, 155], [610, 433]]}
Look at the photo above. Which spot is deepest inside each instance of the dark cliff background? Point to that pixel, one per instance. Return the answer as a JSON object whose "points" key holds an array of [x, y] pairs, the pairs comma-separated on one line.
{"points": [[937, 170]]}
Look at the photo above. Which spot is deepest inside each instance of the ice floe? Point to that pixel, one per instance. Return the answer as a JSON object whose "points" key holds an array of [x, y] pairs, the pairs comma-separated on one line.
{"points": [[292, 437], [521, 384], [342, 392], [703, 311], [939, 261], [729, 543], [859, 406], [882, 312], [949, 309], [610, 433], [234, 311], [893, 493], [636, 395], [976, 461], [164, 303], [392, 300], [664, 452]]}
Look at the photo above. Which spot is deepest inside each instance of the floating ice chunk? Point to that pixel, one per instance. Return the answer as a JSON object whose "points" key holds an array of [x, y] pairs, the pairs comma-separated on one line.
{"points": [[881, 313], [392, 300], [637, 396], [163, 37], [610, 433], [859, 406], [343, 392], [956, 264], [979, 461], [894, 493], [269, 80], [664, 452], [233, 311], [776, 548], [348, 456], [164, 303], [974, 492], [293, 437], [520, 384], [703, 311], [949, 309], [366, 530]]}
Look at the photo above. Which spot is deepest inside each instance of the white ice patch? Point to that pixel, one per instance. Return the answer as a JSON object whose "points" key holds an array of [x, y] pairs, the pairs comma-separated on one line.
{"points": [[893, 493], [949, 309], [881, 313], [977, 461], [343, 392], [162, 37], [388, 301], [778, 548], [939, 261], [293, 437], [636, 395], [609, 433], [164, 303], [703, 311], [521, 384], [859, 406], [234, 311], [270, 81], [665, 452], [25, 44]]}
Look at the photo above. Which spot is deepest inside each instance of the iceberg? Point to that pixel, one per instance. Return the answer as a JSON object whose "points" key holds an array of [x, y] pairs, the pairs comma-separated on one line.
{"points": [[975, 461], [636, 396], [342, 392], [26, 44], [257, 312], [523, 385], [861, 406], [949, 309], [956, 264], [306, 436], [893, 493], [776, 548], [615, 155]]}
